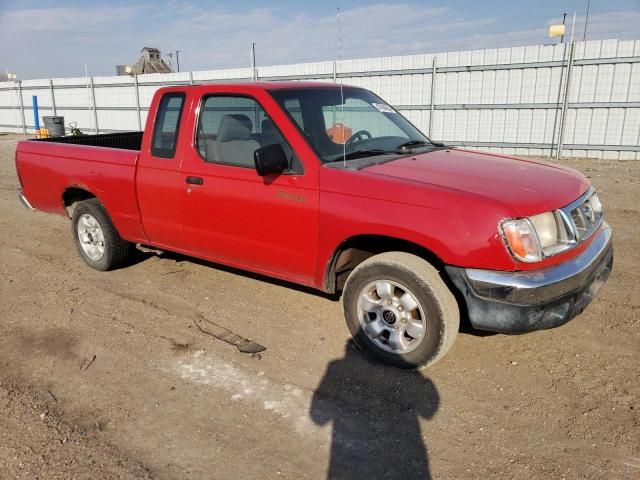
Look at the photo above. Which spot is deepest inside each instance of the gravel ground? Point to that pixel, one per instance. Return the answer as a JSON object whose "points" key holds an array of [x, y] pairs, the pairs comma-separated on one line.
{"points": [[107, 375]]}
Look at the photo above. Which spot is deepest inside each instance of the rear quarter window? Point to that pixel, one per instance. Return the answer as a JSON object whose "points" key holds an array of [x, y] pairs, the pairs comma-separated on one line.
{"points": [[167, 125]]}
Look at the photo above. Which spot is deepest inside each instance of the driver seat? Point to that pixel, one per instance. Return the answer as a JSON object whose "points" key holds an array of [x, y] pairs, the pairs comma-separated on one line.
{"points": [[233, 143]]}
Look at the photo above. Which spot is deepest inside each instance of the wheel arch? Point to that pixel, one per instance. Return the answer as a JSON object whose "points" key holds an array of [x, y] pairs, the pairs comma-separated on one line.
{"points": [[356, 249], [74, 194]]}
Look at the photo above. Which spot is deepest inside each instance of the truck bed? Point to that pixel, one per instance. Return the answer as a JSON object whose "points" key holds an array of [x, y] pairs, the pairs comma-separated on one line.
{"points": [[122, 140], [103, 165]]}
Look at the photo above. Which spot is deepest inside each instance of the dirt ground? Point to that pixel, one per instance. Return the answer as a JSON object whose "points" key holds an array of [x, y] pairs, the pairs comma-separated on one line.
{"points": [[107, 375]]}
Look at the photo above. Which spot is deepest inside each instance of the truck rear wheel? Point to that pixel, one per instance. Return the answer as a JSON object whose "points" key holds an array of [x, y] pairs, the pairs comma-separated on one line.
{"points": [[96, 238], [400, 311]]}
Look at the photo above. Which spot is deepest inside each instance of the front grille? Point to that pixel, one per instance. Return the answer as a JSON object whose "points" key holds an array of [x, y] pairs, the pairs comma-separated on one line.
{"points": [[584, 215], [583, 218]]}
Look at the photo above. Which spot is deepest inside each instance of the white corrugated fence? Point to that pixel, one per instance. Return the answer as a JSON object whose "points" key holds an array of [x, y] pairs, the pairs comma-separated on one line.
{"points": [[505, 100]]}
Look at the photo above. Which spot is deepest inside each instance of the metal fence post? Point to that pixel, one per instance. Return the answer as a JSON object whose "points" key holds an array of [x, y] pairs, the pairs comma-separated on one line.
{"points": [[93, 102], [24, 121], [565, 100], [53, 97], [433, 94], [335, 72], [555, 116], [135, 84], [190, 78]]}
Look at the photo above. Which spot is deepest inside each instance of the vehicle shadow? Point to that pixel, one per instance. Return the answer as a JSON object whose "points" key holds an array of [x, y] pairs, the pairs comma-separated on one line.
{"points": [[375, 412], [138, 256]]}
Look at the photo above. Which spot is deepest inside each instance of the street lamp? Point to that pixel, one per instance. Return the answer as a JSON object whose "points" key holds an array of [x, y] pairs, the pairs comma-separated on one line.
{"points": [[556, 31], [560, 29]]}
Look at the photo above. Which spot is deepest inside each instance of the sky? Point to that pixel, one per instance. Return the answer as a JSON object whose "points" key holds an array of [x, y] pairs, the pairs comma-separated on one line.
{"points": [[50, 39]]}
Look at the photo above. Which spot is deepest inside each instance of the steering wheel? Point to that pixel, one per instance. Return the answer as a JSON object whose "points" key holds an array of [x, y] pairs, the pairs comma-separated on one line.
{"points": [[358, 136]]}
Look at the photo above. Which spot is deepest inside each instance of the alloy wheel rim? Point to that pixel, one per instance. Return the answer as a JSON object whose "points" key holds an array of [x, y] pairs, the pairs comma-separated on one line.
{"points": [[91, 237], [391, 316]]}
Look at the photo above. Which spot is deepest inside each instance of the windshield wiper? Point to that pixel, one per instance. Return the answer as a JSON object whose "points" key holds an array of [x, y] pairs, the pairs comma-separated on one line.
{"points": [[411, 143], [418, 143], [363, 154], [402, 149]]}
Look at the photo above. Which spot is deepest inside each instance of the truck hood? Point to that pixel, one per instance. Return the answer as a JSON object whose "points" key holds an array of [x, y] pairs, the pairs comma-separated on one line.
{"points": [[527, 187]]}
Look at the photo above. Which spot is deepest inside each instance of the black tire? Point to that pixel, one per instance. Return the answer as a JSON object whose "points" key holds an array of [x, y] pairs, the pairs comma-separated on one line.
{"points": [[442, 315], [116, 249]]}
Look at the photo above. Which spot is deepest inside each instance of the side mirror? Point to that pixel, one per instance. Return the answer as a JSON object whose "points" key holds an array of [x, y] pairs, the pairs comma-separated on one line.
{"points": [[270, 160]]}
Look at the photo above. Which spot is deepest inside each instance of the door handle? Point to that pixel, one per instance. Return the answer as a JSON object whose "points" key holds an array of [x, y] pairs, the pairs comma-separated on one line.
{"points": [[194, 180]]}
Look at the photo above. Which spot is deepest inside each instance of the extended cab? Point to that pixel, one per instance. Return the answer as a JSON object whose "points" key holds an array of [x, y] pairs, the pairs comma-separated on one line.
{"points": [[330, 187]]}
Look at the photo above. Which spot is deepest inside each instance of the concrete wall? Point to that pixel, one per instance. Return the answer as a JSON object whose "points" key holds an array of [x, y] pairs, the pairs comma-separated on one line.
{"points": [[505, 100]]}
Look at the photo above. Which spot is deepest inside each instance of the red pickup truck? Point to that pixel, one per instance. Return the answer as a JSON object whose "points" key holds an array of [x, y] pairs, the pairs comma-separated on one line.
{"points": [[330, 187]]}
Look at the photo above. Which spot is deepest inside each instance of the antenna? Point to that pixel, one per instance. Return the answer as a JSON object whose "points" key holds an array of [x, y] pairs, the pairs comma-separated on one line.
{"points": [[586, 22], [344, 140], [254, 71]]}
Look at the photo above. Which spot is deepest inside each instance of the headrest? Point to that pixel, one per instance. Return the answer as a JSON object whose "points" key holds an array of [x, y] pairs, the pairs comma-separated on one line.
{"points": [[234, 127], [267, 127]]}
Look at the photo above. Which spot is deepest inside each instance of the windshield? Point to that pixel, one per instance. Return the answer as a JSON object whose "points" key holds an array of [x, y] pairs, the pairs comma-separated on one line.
{"points": [[361, 126]]}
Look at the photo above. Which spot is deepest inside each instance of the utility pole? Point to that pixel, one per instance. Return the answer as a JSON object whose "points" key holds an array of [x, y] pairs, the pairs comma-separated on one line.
{"points": [[178, 59], [586, 21]]}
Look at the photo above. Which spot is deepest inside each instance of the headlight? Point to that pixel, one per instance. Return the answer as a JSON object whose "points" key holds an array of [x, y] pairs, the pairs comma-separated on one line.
{"points": [[522, 240], [531, 239], [552, 232], [546, 228]]}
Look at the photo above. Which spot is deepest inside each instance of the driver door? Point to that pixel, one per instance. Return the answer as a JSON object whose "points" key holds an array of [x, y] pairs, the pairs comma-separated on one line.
{"points": [[232, 215]]}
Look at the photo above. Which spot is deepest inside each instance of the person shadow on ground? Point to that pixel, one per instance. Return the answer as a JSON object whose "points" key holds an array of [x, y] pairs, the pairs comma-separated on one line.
{"points": [[375, 411]]}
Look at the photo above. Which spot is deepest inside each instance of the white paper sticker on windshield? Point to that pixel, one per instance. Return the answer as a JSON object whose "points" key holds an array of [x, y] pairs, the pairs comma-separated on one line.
{"points": [[383, 107]]}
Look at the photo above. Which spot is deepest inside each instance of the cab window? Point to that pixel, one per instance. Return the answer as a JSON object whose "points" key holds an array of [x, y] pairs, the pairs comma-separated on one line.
{"points": [[167, 126], [231, 128]]}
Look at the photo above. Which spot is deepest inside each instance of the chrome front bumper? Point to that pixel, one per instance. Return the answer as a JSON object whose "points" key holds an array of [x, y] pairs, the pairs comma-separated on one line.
{"points": [[517, 302]]}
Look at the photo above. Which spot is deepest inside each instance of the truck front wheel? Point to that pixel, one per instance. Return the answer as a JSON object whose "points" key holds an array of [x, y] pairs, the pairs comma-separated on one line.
{"points": [[400, 311], [96, 238]]}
